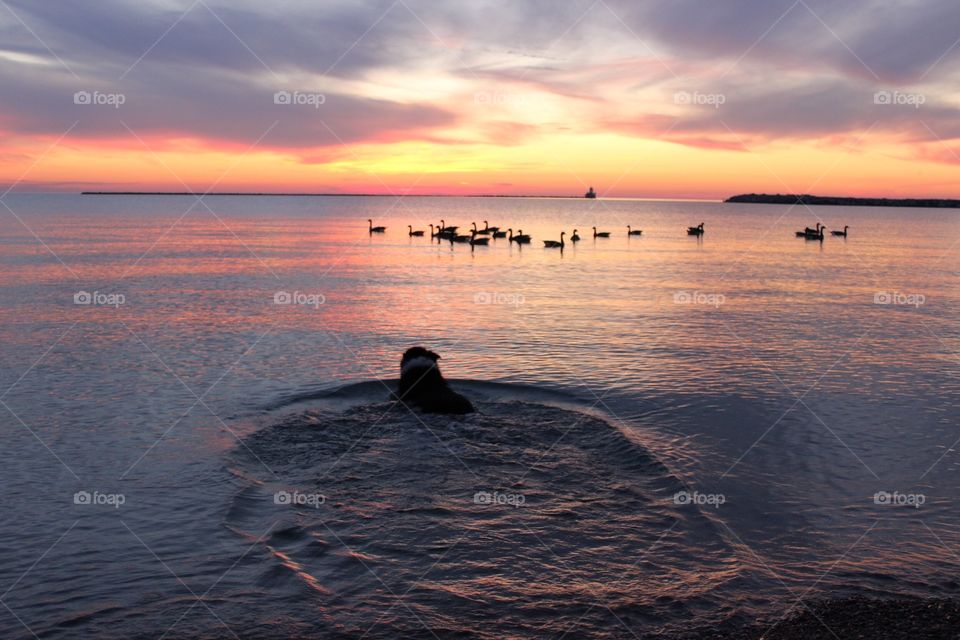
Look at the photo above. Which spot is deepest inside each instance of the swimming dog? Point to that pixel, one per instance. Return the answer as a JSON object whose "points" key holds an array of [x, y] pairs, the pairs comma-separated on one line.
{"points": [[422, 385]]}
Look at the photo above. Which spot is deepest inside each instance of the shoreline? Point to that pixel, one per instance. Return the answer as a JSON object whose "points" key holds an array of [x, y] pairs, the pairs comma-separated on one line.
{"points": [[859, 617], [843, 201]]}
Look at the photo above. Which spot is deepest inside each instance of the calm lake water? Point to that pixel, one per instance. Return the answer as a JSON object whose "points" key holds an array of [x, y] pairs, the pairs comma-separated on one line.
{"points": [[673, 432]]}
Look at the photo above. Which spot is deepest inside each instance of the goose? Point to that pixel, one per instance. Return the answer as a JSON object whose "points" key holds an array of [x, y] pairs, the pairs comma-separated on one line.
{"points": [[374, 229], [842, 234], [600, 234], [812, 234], [417, 233], [487, 227], [453, 237], [498, 234], [434, 234], [482, 232], [520, 238], [443, 233], [445, 229], [634, 232], [474, 240], [695, 231], [553, 244], [575, 237]]}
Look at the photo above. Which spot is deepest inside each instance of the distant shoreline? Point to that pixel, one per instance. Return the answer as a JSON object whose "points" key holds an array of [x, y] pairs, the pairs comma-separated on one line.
{"points": [[806, 199]]}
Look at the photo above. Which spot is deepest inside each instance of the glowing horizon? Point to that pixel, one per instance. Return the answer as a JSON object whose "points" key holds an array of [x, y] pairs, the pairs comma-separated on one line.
{"points": [[674, 100]]}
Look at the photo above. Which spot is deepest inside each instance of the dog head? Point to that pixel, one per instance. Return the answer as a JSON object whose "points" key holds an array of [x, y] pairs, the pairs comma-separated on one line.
{"points": [[418, 357]]}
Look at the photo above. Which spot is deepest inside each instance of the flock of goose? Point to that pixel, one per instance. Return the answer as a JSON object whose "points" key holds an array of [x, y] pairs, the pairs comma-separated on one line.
{"points": [[481, 237], [817, 233]]}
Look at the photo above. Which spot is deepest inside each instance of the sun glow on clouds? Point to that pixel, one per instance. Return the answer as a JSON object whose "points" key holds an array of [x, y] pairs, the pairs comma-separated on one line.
{"points": [[673, 99]]}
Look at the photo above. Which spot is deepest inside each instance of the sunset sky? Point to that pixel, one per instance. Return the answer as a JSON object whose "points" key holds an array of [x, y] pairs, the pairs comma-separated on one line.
{"points": [[686, 98]]}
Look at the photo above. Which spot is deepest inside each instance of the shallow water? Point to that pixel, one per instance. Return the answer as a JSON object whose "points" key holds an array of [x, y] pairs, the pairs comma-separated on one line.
{"points": [[748, 367]]}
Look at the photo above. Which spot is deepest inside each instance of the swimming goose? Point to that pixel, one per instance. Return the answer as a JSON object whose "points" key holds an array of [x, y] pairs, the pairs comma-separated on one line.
{"points": [[520, 238], [575, 237], [445, 229], [482, 232], [553, 244], [417, 233], [695, 231], [487, 227], [374, 229], [600, 234], [499, 234], [632, 232], [443, 233], [842, 234], [474, 240], [812, 234]]}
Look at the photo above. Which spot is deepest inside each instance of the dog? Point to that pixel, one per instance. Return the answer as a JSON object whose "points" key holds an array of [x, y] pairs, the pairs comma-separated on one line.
{"points": [[422, 386]]}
